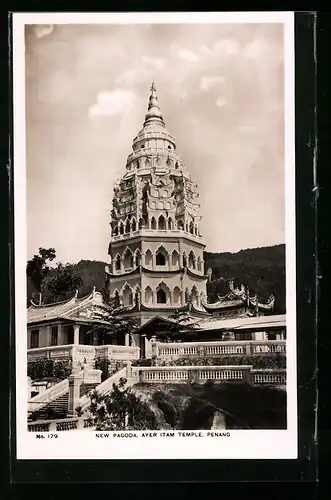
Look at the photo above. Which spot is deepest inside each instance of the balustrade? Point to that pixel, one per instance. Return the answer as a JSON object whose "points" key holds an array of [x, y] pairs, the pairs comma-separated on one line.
{"points": [[220, 348], [66, 424], [177, 374]]}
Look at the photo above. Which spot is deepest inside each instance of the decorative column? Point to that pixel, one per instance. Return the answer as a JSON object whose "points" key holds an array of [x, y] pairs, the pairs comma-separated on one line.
{"points": [[127, 339], [153, 260], [76, 334], [154, 297], [183, 297], [75, 381]]}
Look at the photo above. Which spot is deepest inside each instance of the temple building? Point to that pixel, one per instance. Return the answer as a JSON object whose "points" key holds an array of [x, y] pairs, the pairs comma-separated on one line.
{"points": [[156, 247], [238, 302]]}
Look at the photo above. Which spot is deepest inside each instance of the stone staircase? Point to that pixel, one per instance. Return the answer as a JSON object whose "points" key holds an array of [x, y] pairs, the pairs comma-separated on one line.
{"points": [[56, 409]]}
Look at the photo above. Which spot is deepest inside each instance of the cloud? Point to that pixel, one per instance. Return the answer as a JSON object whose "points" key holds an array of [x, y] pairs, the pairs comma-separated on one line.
{"points": [[144, 71], [187, 55], [155, 62], [111, 103], [225, 46], [220, 102], [207, 82], [42, 30]]}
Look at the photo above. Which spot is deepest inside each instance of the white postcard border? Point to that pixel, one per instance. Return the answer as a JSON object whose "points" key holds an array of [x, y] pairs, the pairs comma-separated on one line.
{"points": [[237, 444]]}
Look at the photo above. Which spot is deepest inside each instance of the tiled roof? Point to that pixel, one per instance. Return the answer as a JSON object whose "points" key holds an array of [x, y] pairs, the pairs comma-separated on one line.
{"points": [[62, 310], [278, 320]]}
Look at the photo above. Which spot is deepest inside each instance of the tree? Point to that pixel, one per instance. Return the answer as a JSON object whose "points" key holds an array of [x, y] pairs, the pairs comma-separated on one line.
{"points": [[184, 327], [116, 325], [65, 281], [121, 410], [37, 269]]}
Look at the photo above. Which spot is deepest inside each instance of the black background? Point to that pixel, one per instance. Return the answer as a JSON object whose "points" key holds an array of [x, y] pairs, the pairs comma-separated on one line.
{"points": [[311, 93]]}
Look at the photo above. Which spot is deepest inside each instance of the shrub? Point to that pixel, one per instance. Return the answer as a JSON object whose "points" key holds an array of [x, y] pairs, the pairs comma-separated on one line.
{"points": [[272, 360], [142, 362], [49, 368], [102, 364]]}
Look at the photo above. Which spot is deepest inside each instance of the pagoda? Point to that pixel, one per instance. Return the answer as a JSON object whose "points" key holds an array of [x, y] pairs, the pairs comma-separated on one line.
{"points": [[156, 247]]}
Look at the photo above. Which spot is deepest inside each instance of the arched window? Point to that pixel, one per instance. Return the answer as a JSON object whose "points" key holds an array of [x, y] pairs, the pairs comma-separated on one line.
{"points": [[194, 295], [187, 296], [137, 257], [184, 260], [160, 205], [115, 231], [121, 227], [176, 295], [191, 227], [170, 224], [127, 226], [142, 146], [180, 225], [134, 225], [161, 296], [153, 223], [140, 223], [169, 147], [196, 230], [153, 204], [148, 295], [127, 259], [161, 257], [162, 223], [191, 260], [175, 259], [117, 261], [199, 264], [176, 166], [148, 258], [116, 298], [127, 296]]}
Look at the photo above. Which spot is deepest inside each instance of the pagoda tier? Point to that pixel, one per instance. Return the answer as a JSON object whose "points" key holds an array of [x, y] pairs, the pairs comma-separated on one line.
{"points": [[156, 248]]}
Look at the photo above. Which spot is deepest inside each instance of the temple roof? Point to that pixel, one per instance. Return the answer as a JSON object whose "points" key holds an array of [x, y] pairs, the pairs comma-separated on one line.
{"points": [[237, 297], [86, 308], [260, 322], [209, 324]]}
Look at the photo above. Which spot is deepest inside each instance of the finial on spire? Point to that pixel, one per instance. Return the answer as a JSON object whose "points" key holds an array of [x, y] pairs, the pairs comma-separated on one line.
{"points": [[152, 89]]}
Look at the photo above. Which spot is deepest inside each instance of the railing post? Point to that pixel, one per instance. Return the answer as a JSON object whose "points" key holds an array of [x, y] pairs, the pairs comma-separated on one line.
{"points": [[52, 427], [194, 376], [248, 377], [75, 382], [128, 370], [154, 349], [248, 349]]}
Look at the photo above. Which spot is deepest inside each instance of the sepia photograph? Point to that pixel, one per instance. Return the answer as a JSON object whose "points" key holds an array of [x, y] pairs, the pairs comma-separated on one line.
{"points": [[156, 261]]}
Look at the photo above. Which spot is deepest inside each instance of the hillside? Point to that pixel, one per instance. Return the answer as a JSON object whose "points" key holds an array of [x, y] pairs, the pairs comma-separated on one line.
{"points": [[261, 269]]}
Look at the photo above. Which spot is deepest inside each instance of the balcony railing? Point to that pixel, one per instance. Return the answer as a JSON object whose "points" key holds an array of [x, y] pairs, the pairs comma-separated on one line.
{"points": [[201, 374], [66, 424], [117, 352], [173, 351], [78, 353]]}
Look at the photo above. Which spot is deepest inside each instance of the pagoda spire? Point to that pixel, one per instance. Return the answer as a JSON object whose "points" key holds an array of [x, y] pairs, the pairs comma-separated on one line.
{"points": [[154, 113]]}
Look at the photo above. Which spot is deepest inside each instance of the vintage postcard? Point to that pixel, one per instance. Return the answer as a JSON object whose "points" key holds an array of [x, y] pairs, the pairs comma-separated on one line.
{"points": [[154, 190]]}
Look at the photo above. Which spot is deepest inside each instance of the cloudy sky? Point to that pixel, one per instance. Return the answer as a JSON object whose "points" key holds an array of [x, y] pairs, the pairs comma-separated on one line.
{"points": [[220, 88]]}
